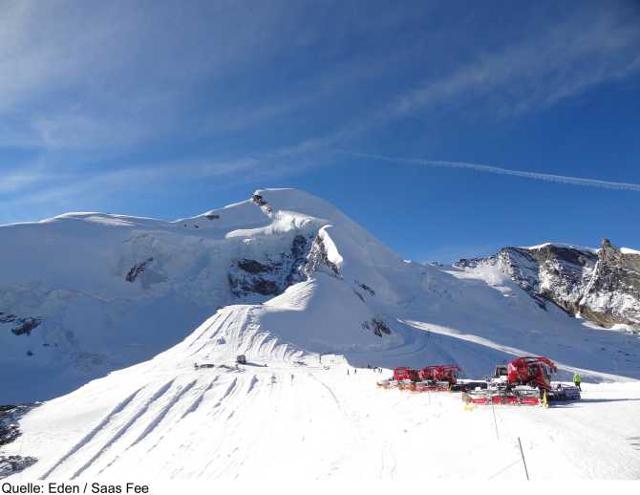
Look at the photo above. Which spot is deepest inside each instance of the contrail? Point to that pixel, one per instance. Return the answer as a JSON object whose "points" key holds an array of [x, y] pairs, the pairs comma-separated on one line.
{"points": [[562, 179]]}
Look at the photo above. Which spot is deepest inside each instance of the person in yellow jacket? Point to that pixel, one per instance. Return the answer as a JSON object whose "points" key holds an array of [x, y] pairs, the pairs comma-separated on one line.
{"points": [[577, 380]]}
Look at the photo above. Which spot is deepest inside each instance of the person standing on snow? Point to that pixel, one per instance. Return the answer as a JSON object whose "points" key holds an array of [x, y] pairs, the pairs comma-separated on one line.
{"points": [[577, 380]]}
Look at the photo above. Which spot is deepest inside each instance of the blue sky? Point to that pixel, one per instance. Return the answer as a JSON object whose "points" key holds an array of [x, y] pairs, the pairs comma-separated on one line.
{"points": [[167, 109]]}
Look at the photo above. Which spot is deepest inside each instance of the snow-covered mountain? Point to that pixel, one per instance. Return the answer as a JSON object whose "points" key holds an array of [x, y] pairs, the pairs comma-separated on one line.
{"points": [[86, 293], [602, 286], [306, 295]]}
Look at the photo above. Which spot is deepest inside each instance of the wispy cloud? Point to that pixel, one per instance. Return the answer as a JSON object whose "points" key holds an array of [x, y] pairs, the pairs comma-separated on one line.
{"points": [[105, 74], [18, 180], [133, 78], [560, 61], [490, 169], [127, 79]]}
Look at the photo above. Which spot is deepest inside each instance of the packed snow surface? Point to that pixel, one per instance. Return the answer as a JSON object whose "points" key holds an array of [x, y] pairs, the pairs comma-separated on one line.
{"points": [[309, 321], [306, 422]]}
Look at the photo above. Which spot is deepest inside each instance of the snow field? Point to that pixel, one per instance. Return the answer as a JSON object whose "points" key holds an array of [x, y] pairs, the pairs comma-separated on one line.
{"points": [[312, 423]]}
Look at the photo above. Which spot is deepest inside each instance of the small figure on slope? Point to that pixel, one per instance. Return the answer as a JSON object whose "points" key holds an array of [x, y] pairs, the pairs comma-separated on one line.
{"points": [[577, 380]]}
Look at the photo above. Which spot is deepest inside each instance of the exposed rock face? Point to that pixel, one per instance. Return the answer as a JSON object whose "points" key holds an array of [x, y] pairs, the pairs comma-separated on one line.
{"points": [[365, 288], [377, 326], [9, 430], [12, 464], [613, 293], [26, 325], [262, 203], [253, 266], [20, 326], [602, 286], [272, 275], [259, 200], [10, 416], [318, 259], [137, 269]]}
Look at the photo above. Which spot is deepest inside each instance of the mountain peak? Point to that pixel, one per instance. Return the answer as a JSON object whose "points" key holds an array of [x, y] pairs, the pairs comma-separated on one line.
{"points": [[602, 285]]}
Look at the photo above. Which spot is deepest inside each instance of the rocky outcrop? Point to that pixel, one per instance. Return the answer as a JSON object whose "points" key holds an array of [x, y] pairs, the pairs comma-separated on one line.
{"points": [[10, 416], [137, 269], [12, 464], [259, 200], [377, 326], [601, 286], [20, 326], [612, 295], [24, 326], [272, 275], [365, 288], [318, 259]]}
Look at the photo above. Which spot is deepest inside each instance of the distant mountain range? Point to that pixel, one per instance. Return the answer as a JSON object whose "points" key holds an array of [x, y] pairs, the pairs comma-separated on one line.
{"points": [[602, 286]]}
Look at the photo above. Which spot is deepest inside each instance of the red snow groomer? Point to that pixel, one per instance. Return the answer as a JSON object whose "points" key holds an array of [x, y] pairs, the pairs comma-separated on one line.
{"points": [[437, 378], [405, 374], [405, 378], [523, 381]]}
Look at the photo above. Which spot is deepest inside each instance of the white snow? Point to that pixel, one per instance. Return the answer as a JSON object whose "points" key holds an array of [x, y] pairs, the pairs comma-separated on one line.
{"points": [[625, 250], [563, 245], [298, 409], [305, 423]]}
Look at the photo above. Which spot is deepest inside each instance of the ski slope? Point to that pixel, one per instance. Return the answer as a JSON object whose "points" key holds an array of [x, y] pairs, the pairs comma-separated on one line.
{"points": [[313, 416], [305, 422], [299, 409]]}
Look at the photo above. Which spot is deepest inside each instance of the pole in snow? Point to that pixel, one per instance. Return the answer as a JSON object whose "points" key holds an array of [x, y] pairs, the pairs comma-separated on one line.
{"points": [[524, 463], [495, 421]]}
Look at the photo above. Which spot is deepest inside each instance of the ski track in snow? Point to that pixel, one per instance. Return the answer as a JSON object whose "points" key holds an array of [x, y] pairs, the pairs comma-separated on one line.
{"points": [[99, 428], [124, 429], [330, 424]]}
